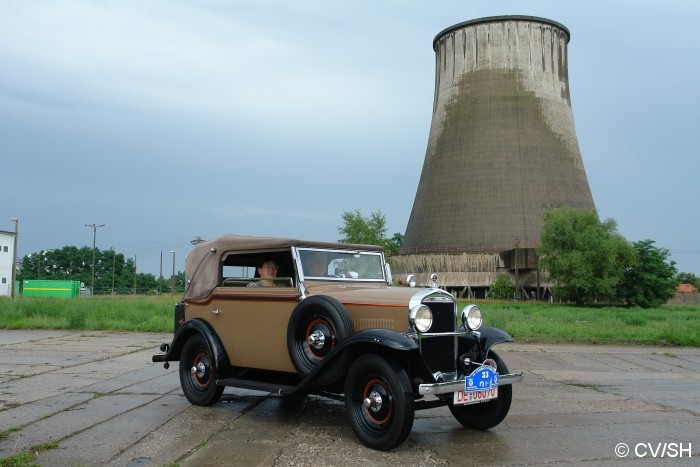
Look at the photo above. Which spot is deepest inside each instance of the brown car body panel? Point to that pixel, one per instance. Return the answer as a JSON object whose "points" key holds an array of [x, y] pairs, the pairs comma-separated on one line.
{"points": [[252, 321], [251, 325]]}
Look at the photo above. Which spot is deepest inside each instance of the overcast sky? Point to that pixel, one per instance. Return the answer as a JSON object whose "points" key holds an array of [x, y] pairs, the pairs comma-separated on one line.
{"points": [[168, 120]]}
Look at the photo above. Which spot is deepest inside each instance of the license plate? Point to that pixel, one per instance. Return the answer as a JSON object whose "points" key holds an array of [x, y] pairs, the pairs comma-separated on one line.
{"points": [[475, 397], [480, 386]]}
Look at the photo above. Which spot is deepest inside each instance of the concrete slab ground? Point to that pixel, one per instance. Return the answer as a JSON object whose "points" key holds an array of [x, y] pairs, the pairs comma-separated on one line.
{"points": [[101, 400]]}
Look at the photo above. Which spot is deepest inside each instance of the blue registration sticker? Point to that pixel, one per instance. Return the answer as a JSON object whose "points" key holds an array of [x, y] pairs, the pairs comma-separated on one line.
{"points": [[481, 379]]}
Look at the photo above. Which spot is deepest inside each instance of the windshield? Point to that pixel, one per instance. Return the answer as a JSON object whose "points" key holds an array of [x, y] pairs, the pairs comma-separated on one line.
{"points": [[346, 265]]}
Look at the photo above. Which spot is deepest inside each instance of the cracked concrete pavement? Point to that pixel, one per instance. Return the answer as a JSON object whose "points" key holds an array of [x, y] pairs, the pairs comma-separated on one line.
{"points": [[101, 399]]}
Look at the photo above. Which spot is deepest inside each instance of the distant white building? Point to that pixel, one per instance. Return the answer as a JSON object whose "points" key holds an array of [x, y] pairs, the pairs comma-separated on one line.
{"points": [[7, 254]]}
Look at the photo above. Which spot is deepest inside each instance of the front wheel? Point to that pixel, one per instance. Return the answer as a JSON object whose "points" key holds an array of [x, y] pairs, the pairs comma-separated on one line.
{"points": [[198, 372], [487, 414], [379, 402]]}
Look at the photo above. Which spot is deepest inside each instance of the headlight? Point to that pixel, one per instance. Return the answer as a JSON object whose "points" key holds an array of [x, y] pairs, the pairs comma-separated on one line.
{"points": [[421, 318], [411, 280], [471, 317]]}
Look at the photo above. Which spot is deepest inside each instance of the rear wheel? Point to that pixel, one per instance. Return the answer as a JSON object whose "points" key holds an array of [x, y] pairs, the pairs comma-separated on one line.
{"points": [[487, 414], [379, 402], [198, 372]]}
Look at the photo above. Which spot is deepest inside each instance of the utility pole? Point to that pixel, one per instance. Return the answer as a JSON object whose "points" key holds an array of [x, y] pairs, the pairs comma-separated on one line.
{"points": [[94, 240], [172, 279], [160, 278], [14, 260], [114, 264], [517, 290]]}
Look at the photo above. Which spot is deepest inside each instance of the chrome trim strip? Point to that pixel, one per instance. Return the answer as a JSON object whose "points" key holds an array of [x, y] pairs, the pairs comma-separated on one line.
{"points": [[454, 386], [420, 335], [420, 295]]}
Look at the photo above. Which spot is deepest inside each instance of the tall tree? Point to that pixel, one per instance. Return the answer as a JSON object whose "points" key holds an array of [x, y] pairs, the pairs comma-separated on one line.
{"points": [[586, 258], [393, 244], [652, 281], [368, 230]]}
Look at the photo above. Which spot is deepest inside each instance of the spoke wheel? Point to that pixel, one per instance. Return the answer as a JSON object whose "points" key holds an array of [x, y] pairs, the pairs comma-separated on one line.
{"points": [[379, 402], [487, 414], [198, 372]]}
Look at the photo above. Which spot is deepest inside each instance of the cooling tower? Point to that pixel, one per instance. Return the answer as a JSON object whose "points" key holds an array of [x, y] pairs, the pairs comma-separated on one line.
{"points": [[502, 146]]}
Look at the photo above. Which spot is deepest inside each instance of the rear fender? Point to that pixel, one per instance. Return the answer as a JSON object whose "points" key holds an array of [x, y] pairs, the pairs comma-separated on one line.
{"points": [[191, 327]]}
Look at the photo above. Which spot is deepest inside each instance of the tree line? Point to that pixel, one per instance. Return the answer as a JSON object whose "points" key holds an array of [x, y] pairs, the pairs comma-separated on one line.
{"points": [[114, 273], [587, 259], [590, 262]]}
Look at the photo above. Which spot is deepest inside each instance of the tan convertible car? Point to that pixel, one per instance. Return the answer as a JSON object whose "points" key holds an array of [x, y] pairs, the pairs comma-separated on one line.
{"points": [[327, 320]]}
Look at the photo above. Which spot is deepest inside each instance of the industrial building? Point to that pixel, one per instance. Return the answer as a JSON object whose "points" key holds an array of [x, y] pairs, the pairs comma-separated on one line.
{"points": [[502, 149], [7, 254]]}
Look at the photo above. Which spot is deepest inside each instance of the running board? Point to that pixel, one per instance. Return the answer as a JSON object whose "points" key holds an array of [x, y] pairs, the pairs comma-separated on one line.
{"points": [[274, 388]]}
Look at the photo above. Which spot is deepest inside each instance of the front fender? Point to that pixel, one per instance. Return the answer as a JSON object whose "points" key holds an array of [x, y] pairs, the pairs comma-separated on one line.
{"points": [[492, 336], [364, 341], [380, 337], [478, 344]]}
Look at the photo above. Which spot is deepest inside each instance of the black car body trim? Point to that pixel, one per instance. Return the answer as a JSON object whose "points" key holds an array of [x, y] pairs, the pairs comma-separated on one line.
{"points": [[184, 332]]}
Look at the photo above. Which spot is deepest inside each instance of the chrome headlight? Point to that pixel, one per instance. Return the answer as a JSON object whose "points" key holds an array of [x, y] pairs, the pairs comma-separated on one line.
{"points": [[471, 317], [421, 318], [411, 280]]}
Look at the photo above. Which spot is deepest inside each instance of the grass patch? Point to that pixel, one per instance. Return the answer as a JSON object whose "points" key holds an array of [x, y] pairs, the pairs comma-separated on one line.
{"points": [[22, 459], [673, 325], [677, 325], [5, 433], [26, 458], [142, 314]]}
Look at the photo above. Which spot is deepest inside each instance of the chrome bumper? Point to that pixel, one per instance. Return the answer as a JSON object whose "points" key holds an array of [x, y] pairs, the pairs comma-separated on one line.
{"points": [[454, 386]]}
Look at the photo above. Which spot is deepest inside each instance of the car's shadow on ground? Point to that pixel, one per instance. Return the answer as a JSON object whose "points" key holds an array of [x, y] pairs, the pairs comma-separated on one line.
{"points": [[311, 421]]}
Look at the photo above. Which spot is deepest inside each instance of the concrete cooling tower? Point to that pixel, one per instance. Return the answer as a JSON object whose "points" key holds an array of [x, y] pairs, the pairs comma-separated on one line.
{"points": [[502, 149]]}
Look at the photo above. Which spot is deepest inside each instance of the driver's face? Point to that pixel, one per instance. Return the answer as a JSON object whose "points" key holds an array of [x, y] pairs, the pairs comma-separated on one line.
{"points": [[268, 269]]}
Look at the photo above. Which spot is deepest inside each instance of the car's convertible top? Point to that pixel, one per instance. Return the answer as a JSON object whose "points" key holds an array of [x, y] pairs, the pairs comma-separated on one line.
{"points": [[201, 264]]}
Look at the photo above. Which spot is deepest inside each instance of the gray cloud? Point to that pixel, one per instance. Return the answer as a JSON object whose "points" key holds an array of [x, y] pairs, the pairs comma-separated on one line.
{"points": [[168, 120]]}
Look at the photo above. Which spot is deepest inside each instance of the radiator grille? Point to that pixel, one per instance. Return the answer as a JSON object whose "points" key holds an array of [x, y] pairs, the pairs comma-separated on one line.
{"points": [[443, 316], [439, 352]]}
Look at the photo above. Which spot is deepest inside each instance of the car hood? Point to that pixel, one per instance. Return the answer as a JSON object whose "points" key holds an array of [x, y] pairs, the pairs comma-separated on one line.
{"points": [[370, 294]]}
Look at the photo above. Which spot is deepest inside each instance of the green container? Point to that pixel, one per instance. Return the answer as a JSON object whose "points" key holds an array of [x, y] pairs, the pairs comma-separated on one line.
{"points": [[49, 288]]}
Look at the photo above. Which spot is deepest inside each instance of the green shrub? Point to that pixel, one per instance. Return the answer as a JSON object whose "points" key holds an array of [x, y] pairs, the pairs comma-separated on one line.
{"points": [[502, 288]]}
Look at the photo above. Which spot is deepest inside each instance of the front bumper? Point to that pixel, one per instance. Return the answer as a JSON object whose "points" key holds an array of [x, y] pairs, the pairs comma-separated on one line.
{"points": [[457, 385]]}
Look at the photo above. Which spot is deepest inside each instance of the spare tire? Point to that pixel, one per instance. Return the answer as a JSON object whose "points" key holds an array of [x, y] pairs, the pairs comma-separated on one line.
{"points": [[317, 324]]}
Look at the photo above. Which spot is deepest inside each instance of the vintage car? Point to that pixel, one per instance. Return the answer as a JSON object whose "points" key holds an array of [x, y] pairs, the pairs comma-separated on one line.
{"points": [[341, 331]]}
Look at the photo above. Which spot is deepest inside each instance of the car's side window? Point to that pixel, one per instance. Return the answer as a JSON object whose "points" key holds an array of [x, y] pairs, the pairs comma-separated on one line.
{"points": [[274, 269]]}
